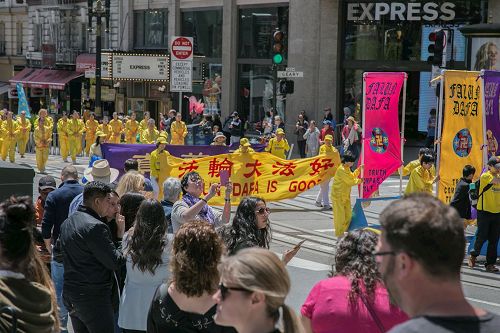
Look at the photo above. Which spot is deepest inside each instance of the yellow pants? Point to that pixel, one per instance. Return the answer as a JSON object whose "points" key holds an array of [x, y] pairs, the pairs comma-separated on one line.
{"points": [[89, 140], [9, 147], [177, 141], [115, 138], [75, 147], [64, 147], [42, 155], [21, 144], [131, 139], [342, 214]]}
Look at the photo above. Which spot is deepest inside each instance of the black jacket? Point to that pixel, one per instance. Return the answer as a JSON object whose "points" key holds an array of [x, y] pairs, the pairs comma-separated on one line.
{"points": [[461, 200], [90, 257]]}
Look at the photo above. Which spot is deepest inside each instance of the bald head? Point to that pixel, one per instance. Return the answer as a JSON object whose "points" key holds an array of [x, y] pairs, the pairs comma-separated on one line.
{"points": [[69, 173]]}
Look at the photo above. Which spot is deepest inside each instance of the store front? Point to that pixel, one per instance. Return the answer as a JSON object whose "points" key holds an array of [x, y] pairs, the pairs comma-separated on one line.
{"points": [[393, 36]]}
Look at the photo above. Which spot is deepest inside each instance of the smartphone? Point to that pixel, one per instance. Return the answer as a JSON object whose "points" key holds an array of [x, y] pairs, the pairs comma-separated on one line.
{"points": [[224, 177], [299, 244]]}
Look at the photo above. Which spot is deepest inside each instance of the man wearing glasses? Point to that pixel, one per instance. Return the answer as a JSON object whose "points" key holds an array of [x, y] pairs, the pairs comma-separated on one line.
{"points": [[419, 255]]}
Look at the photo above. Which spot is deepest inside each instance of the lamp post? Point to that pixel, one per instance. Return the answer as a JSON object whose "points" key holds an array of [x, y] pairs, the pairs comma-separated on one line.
{"points": [[98, 11]]}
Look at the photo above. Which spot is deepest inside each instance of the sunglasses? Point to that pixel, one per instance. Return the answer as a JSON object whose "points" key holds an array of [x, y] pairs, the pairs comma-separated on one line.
{"points": [[195, 179], [225, 290], [263, 210]]}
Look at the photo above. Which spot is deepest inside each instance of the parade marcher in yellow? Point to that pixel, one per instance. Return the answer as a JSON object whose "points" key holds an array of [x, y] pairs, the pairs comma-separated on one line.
{"points": [[91, 126], [23, 137], [150, 134], [278, 146], [219, 139], [95, 148], [144, 122], [323, 197], [10, 131], [178, 130], [131, 129], [158, 164], [422, 178], [75, 132], [49, 122], [43, 138], [62, 133], [105, 127], [416, 163], [116, 129], [244, 148], [343, 181]]}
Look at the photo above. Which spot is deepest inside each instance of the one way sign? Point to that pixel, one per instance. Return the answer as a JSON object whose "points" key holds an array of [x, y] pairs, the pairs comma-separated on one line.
{"points": [[289, 73]]}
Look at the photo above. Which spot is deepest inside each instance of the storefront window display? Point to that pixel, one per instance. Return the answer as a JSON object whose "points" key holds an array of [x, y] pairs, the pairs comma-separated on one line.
{"points": [[151, 29]]}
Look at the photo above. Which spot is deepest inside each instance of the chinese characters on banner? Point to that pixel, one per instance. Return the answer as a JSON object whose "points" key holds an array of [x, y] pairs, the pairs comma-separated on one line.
{"points": [[491, 88], [382, 140], [462, 134]]}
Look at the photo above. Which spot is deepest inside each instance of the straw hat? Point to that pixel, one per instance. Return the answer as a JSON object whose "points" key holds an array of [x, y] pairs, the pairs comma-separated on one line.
{"points": [[220, 135], [100, 171], [351, 118], [280, 131], [244, 142], [328, 137]]}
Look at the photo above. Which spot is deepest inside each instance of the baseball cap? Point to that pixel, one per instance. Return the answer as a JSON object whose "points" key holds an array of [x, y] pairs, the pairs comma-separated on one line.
{"points": [[244, 142], [327, 122], [280, 131], [161, 139], [235, 113], [47, 182], [494, 162], [328, 137]]}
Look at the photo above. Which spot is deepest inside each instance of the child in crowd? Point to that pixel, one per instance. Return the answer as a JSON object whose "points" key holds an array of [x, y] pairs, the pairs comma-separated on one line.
{"points": [[461, 201]]}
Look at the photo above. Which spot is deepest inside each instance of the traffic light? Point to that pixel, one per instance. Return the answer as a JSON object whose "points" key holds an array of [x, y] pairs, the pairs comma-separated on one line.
{"points": [[286, 87], [436, 48], [278, 47]]}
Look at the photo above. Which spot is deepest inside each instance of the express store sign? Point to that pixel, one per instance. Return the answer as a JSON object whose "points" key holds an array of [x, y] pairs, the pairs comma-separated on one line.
{"points": [[398, 11]]}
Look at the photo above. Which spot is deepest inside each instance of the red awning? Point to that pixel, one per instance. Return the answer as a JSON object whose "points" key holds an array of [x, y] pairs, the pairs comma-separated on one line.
{"points": [[85, 61], [44, 78]]}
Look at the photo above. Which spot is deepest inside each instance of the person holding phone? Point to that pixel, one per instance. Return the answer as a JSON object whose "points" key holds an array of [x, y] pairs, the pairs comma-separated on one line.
{"points": [[251, 228]]}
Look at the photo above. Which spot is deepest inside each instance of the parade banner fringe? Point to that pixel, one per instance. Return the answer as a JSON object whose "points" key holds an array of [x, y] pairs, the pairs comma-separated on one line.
{"points": [[462, 134], [382, 140], [491, 88]]}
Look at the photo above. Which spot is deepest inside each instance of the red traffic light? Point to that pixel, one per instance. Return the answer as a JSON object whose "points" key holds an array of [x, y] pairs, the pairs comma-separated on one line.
{"points": [[278, 36], [432, 36]]}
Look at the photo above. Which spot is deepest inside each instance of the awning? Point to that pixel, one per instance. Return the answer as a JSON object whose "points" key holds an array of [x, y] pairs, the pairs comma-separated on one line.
{"points": [[4, 87], [84, 62], [44, 78]]}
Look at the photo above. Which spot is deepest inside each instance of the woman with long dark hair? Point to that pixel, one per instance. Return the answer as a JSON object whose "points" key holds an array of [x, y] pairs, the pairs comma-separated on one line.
{"points": [[147, 249], [129, 205], [25, 284], [250, 228], [353, 299]]}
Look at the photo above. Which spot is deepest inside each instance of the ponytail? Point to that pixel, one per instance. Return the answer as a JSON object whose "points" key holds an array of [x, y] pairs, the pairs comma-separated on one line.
{"points": [[290, 320]]}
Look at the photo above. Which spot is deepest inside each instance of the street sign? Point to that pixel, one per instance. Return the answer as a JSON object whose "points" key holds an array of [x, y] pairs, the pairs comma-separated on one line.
{"points": [[289, 74], [181, 76], [142, 67], [181, 48], [90, 73]]}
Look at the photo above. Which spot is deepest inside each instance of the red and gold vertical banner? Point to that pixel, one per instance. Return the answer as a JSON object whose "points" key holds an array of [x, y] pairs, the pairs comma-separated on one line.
{"points": [[382, 139], [462, 131]]}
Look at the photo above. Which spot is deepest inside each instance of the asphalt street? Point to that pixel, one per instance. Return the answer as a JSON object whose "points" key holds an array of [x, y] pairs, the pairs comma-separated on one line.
{"points": [[296, 219]]}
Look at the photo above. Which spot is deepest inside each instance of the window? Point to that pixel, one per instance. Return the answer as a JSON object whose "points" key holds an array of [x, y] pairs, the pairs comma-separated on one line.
{"points": [[151, 29], [19, 38], [205, 26], [2, 38], [37, 37], [257, 26]]}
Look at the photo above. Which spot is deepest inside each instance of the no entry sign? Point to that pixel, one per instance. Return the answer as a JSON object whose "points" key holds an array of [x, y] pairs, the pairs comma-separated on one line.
{"points": [[181, 48]]}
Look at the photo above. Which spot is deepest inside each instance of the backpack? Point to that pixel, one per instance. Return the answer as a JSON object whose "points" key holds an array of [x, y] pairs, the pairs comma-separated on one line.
{"points": [[474, 194]]}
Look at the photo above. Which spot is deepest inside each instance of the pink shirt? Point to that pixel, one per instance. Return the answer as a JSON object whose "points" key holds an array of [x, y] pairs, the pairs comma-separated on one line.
{"points": [[328, 308]]}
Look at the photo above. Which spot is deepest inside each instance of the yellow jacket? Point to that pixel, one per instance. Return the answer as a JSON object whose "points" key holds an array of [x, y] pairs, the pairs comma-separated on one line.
{"points": [[238, 151], [75, 127], [421, 180], [149, 137], [158, 163], [10, 129], [407, 169], [278, 149], [62, 129], [143, 125], [24, 127], [343, 181], [49, 122], [106, 129], [91, 127], [178, 131], [116, 126], [327, 150], [43, 136], [490, 197], [131, 129]]}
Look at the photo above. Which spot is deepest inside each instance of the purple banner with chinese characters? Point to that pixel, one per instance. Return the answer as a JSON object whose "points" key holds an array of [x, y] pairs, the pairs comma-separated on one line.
{"points": [[491, 111]]}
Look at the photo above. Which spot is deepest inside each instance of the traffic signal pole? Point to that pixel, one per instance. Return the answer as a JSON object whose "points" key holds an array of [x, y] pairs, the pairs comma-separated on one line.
{"points": [[275, 92]]}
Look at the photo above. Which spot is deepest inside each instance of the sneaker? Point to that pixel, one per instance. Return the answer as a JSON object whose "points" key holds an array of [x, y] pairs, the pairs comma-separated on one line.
{"points": [[327, 207], [491, 268], [22, 156], [471, 262], [318, 204]]}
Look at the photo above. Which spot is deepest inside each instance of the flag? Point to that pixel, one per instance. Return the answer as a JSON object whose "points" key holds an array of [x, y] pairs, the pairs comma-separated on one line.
{"points": [[23, 102]]}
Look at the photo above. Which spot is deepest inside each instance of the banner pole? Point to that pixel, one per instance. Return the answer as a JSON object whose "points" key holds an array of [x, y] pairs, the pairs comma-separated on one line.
{"points": [[485, 142], [440, 126], [402, 136], [363, 118]]}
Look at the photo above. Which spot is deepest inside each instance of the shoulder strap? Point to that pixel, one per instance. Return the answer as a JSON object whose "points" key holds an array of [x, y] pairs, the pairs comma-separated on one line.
{"points": [[486, 188], [372, 313]]}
